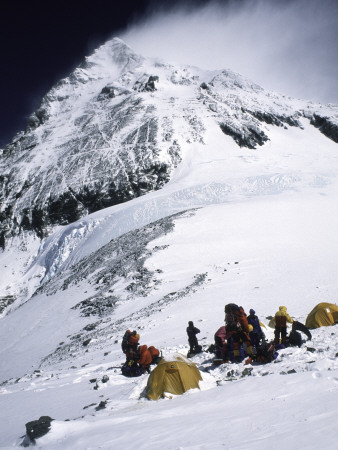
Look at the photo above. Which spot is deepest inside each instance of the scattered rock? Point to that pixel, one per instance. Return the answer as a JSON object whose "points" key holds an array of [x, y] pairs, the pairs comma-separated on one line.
{"points": [[102, 405], [106, 93], [247, 372], [88, 406], [90, 327], [36, 429], [310, 349], [86, 342], [93, 380], [105, 378], [6, 301]]}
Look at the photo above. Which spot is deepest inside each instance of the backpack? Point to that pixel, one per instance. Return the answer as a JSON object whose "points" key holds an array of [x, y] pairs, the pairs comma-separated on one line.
{"points": [[125, 340], [155, 354], [266, 353], [295, 339], [235, 318], [131, 369]]}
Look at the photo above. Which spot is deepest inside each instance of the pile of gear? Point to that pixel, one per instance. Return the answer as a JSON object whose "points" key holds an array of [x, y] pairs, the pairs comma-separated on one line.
{"points": [[139, 358]]}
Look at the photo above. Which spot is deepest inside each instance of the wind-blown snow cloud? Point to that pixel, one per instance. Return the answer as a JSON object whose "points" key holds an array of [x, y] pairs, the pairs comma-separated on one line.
{"points": [[288, 46]]}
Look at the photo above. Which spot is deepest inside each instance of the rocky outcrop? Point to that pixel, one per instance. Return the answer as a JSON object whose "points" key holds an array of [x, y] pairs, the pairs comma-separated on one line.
{"points": [[36, 429], [326, 126], [273, 119], [248, 137], [6, 301], [146, 86]]}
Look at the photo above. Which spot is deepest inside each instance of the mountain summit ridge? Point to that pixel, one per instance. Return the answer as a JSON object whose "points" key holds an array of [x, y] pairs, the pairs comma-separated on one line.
{"points": [[109, 133]]}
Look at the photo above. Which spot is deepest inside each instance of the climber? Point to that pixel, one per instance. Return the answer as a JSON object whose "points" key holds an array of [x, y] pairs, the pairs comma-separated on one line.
{"points": [[237, 327], [220, 343], [130, 341], [192, 339], [281, 318], [256, 335], [144, 358], [155, 354]]}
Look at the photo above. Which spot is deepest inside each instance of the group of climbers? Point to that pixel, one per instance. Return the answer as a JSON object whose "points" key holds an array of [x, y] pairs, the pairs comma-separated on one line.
{"points": [[240, 338], [138, 357]]}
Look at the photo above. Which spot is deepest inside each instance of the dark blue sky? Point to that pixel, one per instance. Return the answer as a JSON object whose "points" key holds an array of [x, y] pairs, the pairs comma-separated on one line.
{"points": [[43, 40], [289, 46]]}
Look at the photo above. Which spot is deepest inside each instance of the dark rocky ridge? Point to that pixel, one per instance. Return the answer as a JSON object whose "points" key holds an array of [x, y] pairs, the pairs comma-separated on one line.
{"points": [[326, 126], [249, 138]]}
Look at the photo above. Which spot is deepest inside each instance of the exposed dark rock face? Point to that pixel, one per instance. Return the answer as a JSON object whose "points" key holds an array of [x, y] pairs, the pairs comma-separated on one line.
{"points": [[250, 134], [6, 301], [326, 126], [273, 119], [249, 137], [146, 86]]}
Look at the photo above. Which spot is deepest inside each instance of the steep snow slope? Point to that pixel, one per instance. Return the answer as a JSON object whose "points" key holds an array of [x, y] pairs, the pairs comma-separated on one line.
{"points": [[259, 252], [233, 224], [221, 172]]}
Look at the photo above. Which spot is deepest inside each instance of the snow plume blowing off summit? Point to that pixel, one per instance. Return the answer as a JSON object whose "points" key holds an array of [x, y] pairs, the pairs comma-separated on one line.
{"points": [[288, 46]]}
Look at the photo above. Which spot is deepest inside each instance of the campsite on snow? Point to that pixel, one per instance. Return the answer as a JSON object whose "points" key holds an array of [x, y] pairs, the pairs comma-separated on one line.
{"points": [[179, 204]]}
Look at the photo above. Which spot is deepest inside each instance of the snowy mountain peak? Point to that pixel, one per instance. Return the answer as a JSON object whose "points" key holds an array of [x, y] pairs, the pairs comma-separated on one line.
{"points": [[115, 52], [118, 127]]}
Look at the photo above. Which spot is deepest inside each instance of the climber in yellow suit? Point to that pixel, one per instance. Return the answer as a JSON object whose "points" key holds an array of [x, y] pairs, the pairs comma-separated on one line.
{"points": [[281, 318]]}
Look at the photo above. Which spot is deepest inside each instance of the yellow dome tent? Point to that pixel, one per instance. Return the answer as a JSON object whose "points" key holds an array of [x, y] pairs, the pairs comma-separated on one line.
{"points": [[322, 315], [175, 374]]}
